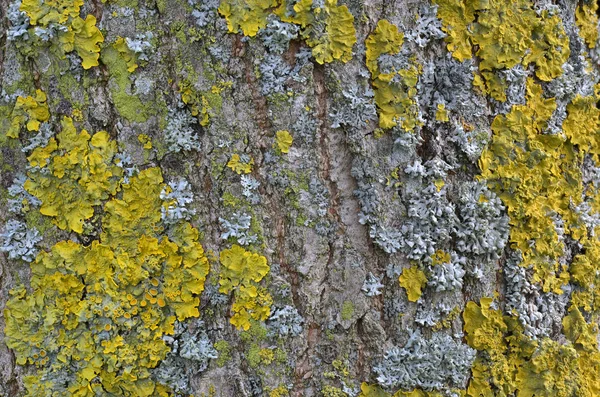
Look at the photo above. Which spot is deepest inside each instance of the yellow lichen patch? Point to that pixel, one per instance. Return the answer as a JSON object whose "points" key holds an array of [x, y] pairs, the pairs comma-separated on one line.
{"points": [[197, 102], [249, 16], [485, 327], [128, 55], [503, 344], [549, 48], [83, 36], [538, 177], [297, 12], [283, 140], [395, 90], [579, 332], [386, 39], [556, 370], [585, 273], [46, 12], [367, 390], [242, 271], [441, 113], [74, 33], [145, 140], [329, 30], [524, 37], [97, 314], [339, 37], [506, 33], [440, 257], [239, 166], [457, 16], [413, 280], [72, 174], [503, 41], [510, 363], [492, 84], [586, 18], [138, 212], [582, 125], [29, 111]]}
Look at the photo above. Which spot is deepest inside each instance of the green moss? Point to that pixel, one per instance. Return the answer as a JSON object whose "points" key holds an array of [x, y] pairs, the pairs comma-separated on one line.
{"points": [[347, 310], [126, 3], [161, 5], [129, 106], [253, 356], [281, 356], [224, 349], [39, 221], [330, 391], [256, 333], [68, 86], [229, 200]]}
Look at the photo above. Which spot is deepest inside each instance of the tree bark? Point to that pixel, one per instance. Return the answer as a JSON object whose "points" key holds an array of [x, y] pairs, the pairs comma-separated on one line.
{"points": [[343, 212]]}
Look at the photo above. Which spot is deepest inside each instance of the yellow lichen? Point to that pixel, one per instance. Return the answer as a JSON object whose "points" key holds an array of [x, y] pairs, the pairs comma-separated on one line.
{"points": [[440, 257], [386, 39], [413, 280], [239, 166], [503, 41], [145, 140], [242, 271], [128, 55], [83, 36], [339, 36], [197, 102], [72, 174], [441, 113], [249, 16], [512, 364], [505, 33], [46, 12], [586, 18], [376, 391], [75, 33], [579, 332], [329, 30], [457, 16], [97, 314], [395, 91], [538, 177], [492, 84], [283, 140], [29, 111], [549, 48], [585, 273]]}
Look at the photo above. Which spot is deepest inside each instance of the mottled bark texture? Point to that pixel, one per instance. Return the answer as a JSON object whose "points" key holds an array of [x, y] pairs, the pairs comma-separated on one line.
{"points": [[299, 198]]}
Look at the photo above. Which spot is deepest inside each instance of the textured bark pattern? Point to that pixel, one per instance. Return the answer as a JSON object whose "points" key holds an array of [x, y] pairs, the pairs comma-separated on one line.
{"points": [[347, 202]]}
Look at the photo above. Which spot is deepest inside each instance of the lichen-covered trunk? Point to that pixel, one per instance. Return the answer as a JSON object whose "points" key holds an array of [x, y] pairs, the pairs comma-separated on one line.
{"points": [[299, 198]]}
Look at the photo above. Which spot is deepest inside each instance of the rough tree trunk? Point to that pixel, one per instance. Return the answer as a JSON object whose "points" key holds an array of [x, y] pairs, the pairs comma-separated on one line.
{"points": [[420, 177]]}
